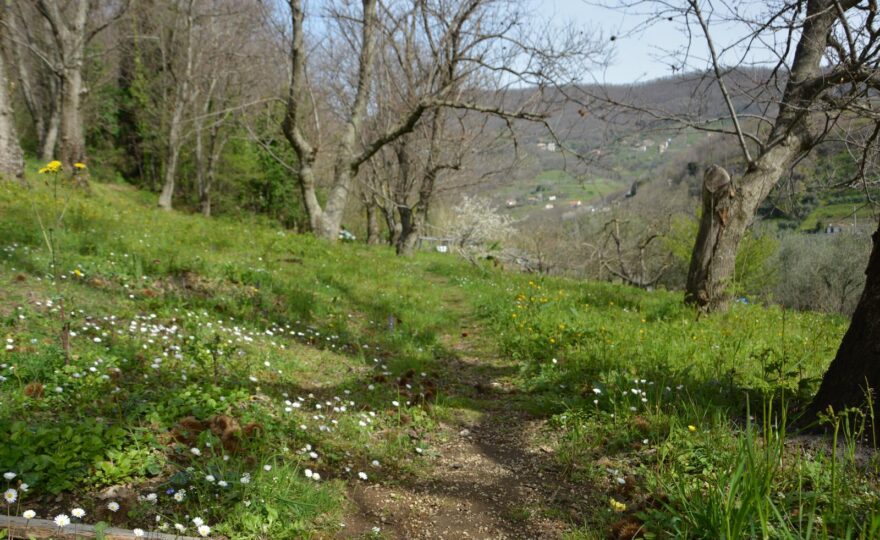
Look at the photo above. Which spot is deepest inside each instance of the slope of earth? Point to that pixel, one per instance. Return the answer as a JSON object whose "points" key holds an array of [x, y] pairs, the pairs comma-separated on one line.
{"points": [[160, 369]]}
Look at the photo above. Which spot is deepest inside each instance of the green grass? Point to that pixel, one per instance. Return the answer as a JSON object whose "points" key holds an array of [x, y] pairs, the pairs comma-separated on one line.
{"points": [[245, 319], [678, 417], [836, 213], [683, 418]]}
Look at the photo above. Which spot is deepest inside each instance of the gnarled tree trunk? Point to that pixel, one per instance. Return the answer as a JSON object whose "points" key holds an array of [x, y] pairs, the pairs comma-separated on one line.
{"points": [[721, 229], [854, 374], [728, 209]]}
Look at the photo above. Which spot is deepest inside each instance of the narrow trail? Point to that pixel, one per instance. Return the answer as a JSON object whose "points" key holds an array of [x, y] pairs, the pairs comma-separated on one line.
{"points": [[491, 475]]}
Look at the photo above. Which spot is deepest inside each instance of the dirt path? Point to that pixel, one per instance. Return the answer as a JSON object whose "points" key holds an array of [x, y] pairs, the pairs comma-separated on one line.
{"points": [[490, 477]]}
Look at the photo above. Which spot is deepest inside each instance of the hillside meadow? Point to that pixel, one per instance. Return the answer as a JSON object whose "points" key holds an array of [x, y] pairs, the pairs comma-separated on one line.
{"points": [[169, 372]]}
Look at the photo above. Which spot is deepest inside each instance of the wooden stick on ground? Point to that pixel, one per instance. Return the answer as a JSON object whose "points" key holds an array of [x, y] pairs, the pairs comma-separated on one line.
{"points": [[21, 528]]}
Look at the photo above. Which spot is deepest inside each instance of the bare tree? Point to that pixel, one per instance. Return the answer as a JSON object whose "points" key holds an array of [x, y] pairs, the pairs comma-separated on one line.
{"points": [[31, 58], [211, 138], [325, 220], [182, 37], [452, 40], [230, 79], [11, 162], [635, 262], [826, 54], [71, 31]]}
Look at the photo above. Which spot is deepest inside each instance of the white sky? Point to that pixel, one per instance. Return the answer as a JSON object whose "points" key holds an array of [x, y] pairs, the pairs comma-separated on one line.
{"points": [[646, 55]]}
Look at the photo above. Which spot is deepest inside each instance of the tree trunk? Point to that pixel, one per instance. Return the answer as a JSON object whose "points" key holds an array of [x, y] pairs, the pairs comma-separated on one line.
{"points": [[374, 230], [181, 98], [711, 261], [72, 37], [728, 210], [215, 149], [854, 374], [72, 145], [721, 229], [410, 228], [11, 161], [326, 222], [392, 225], [329, 221], [206, 188], [38, 83], [172, 158], [49, 135], [201, 166]]}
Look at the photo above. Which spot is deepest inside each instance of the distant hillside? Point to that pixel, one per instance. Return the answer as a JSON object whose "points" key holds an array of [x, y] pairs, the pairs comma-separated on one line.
{"points": [[598, 154]]}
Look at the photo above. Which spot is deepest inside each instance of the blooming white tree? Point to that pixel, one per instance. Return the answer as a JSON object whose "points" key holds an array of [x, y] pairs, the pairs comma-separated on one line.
{"points": [[476, 225]]}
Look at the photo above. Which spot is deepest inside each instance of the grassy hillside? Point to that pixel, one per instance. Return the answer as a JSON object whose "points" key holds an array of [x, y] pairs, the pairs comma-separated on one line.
{"points": [[215, 367]]}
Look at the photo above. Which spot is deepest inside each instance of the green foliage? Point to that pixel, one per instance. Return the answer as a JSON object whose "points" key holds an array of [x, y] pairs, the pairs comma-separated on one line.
{"points": [[307, 316], [754, 272], [642, 393], [58, 457], [634, 387]]}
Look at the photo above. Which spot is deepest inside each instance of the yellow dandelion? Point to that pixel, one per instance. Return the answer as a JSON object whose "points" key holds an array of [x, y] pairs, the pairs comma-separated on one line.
{"points": [[52, 167], [79, 165], [692, 428], [616, 505], [77, 272]]}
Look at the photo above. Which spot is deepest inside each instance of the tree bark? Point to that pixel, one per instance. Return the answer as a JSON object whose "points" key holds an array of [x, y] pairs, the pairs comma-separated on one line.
{"points": [[374, 230], [201, 168], [712, 259], [69, 33], [72, 141], [38, 82], [714, 255], [409, 230], [393, 225], [171, 160], [326, 221], [11, 160], [854, 374], [215, 150], [726, 216], [175, 128], [49, 134]]}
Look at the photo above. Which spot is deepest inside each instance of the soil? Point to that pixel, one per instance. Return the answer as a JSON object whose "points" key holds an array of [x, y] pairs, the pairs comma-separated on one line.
{"points": [[490, 478]]}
